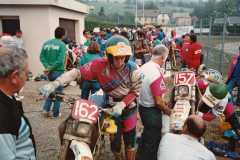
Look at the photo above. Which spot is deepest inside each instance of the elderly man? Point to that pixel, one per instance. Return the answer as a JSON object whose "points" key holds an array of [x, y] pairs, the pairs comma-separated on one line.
{"points": [[186, 146], [16, 139], [151, 104]]}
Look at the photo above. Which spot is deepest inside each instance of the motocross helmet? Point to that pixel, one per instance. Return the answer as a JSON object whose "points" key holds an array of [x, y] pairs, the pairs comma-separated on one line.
{"points": [[216, 97], [118, 46], [209, 74]]}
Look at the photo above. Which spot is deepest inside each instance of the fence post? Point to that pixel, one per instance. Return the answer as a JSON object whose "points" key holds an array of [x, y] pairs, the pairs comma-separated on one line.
{"points": [[223, 41], [209, 40], [201, 27]]}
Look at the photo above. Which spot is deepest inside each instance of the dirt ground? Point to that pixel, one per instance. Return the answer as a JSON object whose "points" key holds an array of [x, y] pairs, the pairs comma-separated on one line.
{"points": [[45, 130]]}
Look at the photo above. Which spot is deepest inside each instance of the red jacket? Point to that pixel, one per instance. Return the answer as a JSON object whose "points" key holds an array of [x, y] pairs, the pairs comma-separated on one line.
{"points": [[193, 57], [184, 51]]}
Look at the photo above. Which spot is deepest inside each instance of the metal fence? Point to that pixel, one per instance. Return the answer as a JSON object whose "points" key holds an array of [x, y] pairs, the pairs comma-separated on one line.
{"points": [[220, 41]]}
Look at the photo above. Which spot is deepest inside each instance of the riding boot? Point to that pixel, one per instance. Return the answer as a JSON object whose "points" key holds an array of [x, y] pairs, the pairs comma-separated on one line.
{"points": [[131, 153]]}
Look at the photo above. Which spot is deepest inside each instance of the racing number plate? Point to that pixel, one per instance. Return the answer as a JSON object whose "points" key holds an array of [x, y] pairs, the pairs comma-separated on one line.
{"points": [[84, 109], [184, 78]]}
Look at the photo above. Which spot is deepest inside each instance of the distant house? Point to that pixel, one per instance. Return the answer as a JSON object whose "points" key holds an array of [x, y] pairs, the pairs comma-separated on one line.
{"points": [[232, 23], [163, 19], [181, 19], [150, 16], [38, 19], [232, 20]]}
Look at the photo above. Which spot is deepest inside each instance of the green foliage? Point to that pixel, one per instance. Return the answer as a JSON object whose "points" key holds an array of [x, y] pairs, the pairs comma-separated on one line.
{"points": [[101, 12], [150, 5], [92, 23], [214, 8], [110, 21]]}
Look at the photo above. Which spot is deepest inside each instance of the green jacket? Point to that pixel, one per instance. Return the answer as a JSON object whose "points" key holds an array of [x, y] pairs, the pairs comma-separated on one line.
{"points": [[87, 57], [53, 55]]}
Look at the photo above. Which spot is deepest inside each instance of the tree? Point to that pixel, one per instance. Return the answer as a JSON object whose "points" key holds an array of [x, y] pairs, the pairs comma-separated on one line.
{"points": [[129, 1], [214, 8], [150, 5], [101, 12], [228, 7]]}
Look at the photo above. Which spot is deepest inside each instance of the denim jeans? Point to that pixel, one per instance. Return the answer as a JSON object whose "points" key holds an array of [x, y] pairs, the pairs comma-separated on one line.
{"points": [[151, 136], [56, 104], [89, 86]]}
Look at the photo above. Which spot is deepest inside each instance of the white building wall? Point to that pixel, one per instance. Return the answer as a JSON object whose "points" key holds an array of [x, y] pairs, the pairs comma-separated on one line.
{"points": [[1, 26], [56, 13], [38, 25]]}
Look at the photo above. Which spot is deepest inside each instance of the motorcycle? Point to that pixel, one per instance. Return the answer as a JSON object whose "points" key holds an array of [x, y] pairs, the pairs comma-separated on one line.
{"points": [[184, 99], [82, 134]]}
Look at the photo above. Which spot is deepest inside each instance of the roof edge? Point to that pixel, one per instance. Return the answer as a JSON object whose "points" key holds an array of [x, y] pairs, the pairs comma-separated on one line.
{"points": [[69, 4]]}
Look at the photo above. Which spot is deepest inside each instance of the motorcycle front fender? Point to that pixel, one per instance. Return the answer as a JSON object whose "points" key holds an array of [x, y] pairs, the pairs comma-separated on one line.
{"points": [[81, 150]]}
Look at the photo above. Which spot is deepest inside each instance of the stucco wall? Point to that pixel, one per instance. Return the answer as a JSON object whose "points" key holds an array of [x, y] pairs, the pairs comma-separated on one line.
{"points": [[0, 26], [38, 24], [56, 13], [34, 23]]}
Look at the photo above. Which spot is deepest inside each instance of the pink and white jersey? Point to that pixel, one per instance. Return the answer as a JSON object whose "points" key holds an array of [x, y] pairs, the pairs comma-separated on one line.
{"points": [[152, 83]]}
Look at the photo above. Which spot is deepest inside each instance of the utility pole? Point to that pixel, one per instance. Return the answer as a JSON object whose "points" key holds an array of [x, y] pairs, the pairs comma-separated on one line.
{"points": [[136, 12], [143, 12]]}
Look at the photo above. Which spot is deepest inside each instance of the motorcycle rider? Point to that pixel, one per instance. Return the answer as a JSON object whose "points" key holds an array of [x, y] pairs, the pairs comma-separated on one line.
{"points": [[216, 101], [120, 82]]}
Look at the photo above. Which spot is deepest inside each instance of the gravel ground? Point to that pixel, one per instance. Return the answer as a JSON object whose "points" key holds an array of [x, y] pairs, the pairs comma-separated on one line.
{"points": [[45, 130], [231, 48]]}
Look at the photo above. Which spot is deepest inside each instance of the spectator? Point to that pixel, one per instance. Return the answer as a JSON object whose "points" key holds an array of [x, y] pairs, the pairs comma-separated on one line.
{"points": [[151, 104], [16, 138], [186, 146], [193, 55], [234, 75], [19, 40], [161, 35], [88, 86], [52, 57]]}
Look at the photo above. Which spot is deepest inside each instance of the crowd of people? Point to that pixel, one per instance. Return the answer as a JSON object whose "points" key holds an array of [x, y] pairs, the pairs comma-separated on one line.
{"points": [[128, 65]]}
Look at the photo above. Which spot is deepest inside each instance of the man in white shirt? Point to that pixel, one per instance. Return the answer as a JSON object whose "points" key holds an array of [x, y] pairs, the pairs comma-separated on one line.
{"points": [[151, 104], [19, 40], [186, 146]]}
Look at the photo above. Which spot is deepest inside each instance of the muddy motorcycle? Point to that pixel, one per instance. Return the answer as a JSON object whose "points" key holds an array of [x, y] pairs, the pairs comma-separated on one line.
{"points": [[184, 99], [82, 134]]}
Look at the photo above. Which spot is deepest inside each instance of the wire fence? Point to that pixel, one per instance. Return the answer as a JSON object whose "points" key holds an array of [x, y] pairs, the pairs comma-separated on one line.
{"points": [[220, 38]]}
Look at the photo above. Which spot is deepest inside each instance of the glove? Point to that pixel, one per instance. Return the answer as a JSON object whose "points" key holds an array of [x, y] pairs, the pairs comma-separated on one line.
{"points": [[118, 108], [47, 89]]}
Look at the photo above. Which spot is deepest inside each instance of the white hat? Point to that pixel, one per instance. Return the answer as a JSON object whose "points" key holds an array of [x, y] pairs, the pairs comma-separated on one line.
{"points": [[96, 30]]}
